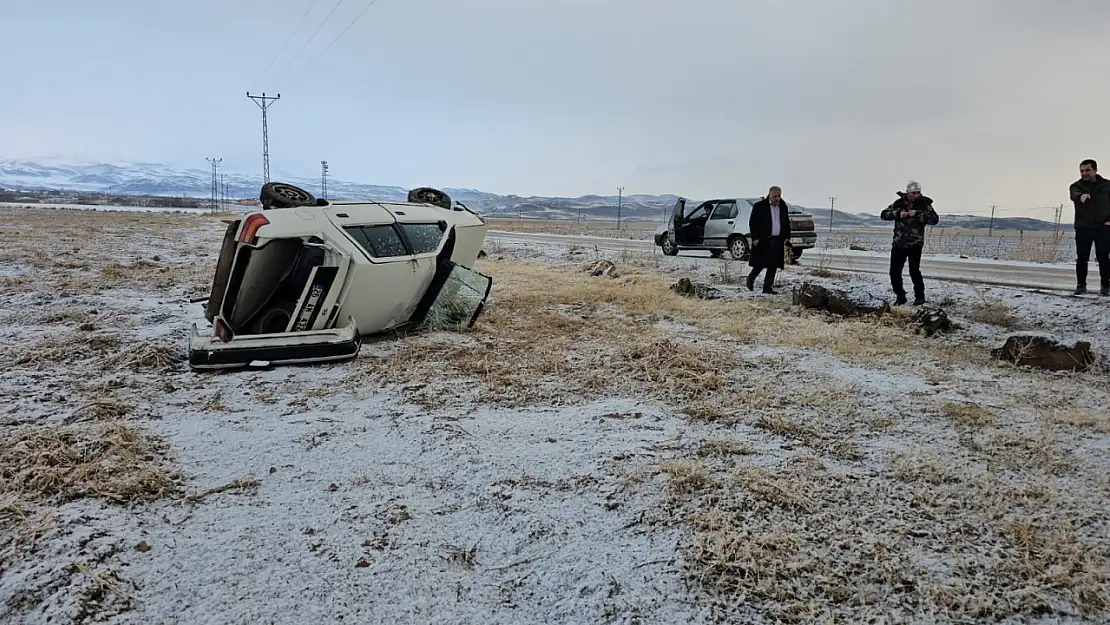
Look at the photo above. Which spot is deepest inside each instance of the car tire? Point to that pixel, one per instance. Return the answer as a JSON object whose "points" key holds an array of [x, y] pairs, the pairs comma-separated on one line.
{"points": [[273, 319], [428, 195], [739, 248], [716, 253], [668, 245], [284, 195]]}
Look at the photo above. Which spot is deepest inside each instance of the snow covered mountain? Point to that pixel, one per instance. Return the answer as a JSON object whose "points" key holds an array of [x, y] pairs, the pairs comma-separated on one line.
{"points": [[137, 178]]}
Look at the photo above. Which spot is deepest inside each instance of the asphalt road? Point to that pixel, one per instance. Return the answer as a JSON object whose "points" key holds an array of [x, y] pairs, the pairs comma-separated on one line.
{"points": [[1000, 273]]}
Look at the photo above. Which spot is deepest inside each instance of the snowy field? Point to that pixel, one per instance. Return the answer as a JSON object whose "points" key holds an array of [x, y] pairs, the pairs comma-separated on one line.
{"points": [[596, 450]]}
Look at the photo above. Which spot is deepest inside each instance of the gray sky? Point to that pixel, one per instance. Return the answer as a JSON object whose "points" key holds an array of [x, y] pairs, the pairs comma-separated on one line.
{"points": [[984, 101]]}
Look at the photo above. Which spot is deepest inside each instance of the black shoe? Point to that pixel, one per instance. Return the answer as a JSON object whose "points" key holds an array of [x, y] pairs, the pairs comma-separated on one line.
{"points": [[1104, 291], [1080, 290], [900, 300], [770, 292], [750, 283], [919, 300]]}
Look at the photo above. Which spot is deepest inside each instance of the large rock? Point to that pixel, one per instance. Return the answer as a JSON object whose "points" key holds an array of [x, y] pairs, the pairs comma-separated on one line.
{"points": [[686, 287], [1045, 352], [932, 320], [846, 303]]}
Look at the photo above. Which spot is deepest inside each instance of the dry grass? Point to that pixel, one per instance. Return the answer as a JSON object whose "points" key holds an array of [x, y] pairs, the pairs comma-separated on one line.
{"points": [[971, 415], [107, 460], [805, 543], [994, 312]]}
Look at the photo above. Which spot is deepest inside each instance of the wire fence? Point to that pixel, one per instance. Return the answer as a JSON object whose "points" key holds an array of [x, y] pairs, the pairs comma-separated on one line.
{"points": [[1037, 246]]}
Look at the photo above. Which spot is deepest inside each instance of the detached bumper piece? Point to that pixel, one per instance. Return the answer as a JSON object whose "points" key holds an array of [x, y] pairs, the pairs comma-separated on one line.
{"points": [[209, 352]]}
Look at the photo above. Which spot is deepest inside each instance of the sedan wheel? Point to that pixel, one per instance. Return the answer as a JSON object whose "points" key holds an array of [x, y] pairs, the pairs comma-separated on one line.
{"points": [[668, 245], [738, 248]]}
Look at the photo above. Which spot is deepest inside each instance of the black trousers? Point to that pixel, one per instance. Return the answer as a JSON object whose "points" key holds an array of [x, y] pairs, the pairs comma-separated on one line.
{"points": [[898, 258], [768, 255], [1099, 237]]}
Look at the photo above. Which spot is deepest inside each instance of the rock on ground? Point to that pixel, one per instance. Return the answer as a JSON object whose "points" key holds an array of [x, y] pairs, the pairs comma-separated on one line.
{"points": [[932, 320], [688, 288], [816, 296], [1045, 352]]}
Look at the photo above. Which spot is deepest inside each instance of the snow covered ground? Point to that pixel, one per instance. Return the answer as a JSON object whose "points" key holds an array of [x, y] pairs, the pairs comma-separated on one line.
{"points": [[596, 450]]}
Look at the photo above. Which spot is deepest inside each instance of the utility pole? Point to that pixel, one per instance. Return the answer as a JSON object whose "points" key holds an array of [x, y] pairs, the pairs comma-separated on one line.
{"points": [[215, 162], [579, 214], [620, 196], [832, 206], [263, 101], [223, 194], [227, 198], [324, 179], [990, 228]]}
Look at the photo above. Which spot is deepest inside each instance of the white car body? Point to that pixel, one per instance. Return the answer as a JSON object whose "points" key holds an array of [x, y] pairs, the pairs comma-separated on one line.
{"points": [[305, 283]]}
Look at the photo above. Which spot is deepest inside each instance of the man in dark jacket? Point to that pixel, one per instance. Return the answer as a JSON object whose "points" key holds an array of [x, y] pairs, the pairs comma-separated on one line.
{"points": [[911, 212], [769, 229], [1091, 196]]}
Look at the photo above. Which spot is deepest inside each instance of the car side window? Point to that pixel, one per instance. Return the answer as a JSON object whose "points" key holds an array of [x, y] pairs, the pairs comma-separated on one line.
{"points": [[725, 210], [425, 238], [380, 241], [699, 212]]}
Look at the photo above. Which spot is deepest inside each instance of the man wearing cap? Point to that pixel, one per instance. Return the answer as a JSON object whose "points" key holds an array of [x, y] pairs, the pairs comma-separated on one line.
{"points": [[911, 212]]}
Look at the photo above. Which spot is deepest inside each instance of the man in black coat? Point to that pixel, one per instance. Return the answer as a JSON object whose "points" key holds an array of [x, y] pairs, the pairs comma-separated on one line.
{"points": [[769, 229], [1091, 196], [911, 212]]}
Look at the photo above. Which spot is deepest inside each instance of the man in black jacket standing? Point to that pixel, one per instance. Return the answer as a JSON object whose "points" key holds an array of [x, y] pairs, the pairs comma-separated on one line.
{"points": [[1091, 196], [911, 212], [769, 229]]}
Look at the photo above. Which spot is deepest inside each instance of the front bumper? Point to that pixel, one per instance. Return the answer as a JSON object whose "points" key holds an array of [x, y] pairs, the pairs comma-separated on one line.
{"points": [[209, 352]]}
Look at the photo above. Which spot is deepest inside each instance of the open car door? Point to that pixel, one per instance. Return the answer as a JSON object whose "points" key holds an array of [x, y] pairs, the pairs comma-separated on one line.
{"points": [[456, 295], [675, 222]]}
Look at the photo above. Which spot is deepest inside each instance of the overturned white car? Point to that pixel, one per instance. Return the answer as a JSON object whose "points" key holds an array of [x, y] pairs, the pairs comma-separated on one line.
{"points": [[304, 279]]}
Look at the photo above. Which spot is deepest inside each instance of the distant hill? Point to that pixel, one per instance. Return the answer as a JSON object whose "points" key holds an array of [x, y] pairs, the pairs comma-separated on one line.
{"points": [[158, 179]]}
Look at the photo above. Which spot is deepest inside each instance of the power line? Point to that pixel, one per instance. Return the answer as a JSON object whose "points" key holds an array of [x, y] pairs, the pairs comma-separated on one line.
{"points": [[287, 40], [353, 22], [263, 101], [314, 33]]}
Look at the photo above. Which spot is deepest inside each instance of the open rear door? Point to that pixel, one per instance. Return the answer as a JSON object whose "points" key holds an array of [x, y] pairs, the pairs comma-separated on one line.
{"points": [[223, 271]]}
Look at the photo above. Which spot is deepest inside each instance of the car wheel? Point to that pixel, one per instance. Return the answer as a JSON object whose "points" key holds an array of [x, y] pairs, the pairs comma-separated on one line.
{"points": [[668, 245], [274, 319], [428, 195], [738, 248], [716, 253], [283, 195]]}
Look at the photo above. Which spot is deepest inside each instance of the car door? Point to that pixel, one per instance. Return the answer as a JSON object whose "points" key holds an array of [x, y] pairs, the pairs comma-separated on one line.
{"points": [[719, 225], [385, 287], [692, 230], [675, 221]]}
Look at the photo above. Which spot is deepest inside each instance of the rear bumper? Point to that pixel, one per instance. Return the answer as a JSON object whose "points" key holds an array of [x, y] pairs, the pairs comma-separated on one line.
{"points": [[805, 241], [209, 352]]}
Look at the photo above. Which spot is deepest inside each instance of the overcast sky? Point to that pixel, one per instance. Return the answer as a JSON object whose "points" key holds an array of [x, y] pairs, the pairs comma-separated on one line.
{"points": [[984, 101]]}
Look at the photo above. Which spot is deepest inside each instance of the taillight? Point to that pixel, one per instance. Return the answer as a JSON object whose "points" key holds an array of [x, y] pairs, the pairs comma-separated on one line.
{"points": [[249, 233]]}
